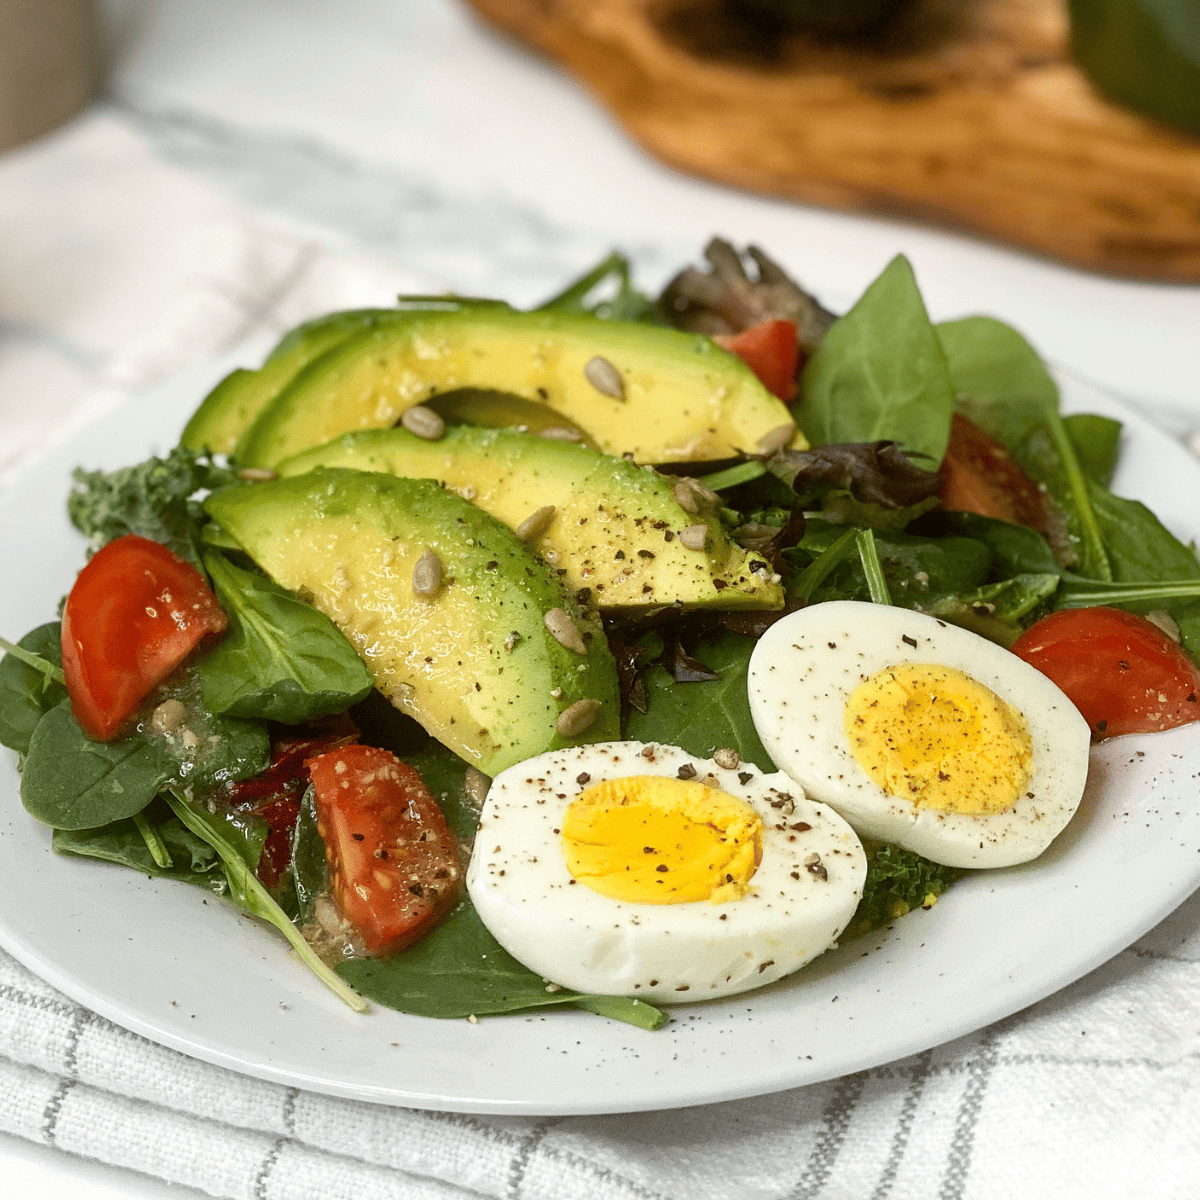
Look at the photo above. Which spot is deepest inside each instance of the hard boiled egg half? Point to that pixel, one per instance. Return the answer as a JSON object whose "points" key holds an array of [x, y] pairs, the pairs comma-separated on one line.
{"points": [[919, 732], [637, 869]]}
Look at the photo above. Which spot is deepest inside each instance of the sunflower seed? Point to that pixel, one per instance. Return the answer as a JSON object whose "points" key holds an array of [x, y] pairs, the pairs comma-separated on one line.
{"points": [[424, 422], [257, 474], [685, 497], [536, 523], [476, 785], [168, 717], [564, 630], [727, 758], [427, 575], [604, 377], [561, 433], [776, 438], [694, 537], [580, 716]]}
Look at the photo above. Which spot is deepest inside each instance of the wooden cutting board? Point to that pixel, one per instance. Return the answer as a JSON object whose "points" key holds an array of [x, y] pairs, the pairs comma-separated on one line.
{"points": [[971, 116]]}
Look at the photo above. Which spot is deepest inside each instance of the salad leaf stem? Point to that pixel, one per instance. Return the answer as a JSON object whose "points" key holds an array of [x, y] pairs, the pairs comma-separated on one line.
{"points": [[154, 843], [732, 476], [250, 894], [52, 673], [621, 1008], [868, 553], [1129, 593], [572, 297]]}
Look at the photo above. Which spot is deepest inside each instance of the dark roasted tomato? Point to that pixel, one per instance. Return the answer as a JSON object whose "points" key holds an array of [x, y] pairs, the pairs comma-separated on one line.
{"points": [[1122, 672], [980, 476], [135, 613], [275, 794], [772, 351], [394, 864]]}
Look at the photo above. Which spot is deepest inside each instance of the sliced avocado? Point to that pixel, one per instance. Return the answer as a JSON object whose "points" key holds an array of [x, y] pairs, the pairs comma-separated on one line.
{"points": [[615, 527], [474, 662], [681, 397], [234, 404]]}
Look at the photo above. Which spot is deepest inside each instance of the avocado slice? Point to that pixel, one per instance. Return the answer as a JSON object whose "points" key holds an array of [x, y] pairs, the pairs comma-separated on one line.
{"points": [[474, 660], [235, 403], [681, 397], [615, 527]]}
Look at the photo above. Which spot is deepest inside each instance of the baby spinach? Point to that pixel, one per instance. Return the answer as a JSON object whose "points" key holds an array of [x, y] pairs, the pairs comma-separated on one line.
{"points": [[309, 867], [1096, 440], [239, 857], [282, 660], [189, 859], [71, 782], [880, 373], [30, 684], [701, 717], [460, 970]]}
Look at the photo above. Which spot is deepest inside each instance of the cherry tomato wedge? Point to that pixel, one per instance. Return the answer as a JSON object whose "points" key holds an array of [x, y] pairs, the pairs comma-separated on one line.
{"points": [[393, 861], [1123, 673], [135, 613], [772, 351], [980, 476], [274, 794]]}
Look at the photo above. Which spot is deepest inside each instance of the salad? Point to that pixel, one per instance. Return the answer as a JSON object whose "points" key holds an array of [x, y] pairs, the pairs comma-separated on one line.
{"points": [[228, 728]]}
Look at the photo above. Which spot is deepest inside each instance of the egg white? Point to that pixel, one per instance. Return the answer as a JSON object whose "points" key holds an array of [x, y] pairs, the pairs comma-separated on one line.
{"points": [[520, 885], [803, 671]]}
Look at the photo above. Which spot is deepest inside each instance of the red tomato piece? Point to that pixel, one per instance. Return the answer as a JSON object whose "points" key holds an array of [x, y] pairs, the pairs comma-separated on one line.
{"points": [[772, 351], [980, 476], [393, 860], [135, 613], [275, 794], [1123, 673]]}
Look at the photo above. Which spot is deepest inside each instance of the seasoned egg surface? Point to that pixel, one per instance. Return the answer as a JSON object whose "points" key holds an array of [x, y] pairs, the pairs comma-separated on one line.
{"points": [[631, 869], [919, 732]]}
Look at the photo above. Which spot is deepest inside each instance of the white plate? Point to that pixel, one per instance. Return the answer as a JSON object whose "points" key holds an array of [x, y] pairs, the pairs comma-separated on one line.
{"points": [[199, 977]]}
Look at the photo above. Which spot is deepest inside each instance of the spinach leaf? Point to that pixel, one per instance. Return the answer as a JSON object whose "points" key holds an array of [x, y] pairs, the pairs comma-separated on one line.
{"points": [[998, 611], [1005, 389], [701, 717], [310, 867], [71, 782], [191, 859], [1015, 549], [897, 882], [1096, 440], [1139, 545], [239, 856], [460, 970], [880, 373], [27, 693], [152, 498], [282, 660]]}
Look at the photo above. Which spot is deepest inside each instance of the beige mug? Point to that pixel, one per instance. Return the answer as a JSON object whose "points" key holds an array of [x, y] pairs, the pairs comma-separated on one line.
{"points": [[49, 65]]}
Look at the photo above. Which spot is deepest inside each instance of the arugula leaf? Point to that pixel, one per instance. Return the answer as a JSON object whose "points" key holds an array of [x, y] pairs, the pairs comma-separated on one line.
{"points": [[897, 882], [71, 782], [239, 856], [29, 691], [152, 498], [625, 304], [880, 373], [460, 970], [191, 859], [701, 717], [282, 660]]}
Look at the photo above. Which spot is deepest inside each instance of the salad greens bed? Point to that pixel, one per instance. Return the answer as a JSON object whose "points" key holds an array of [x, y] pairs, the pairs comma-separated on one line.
{"points": [[854, 517]]}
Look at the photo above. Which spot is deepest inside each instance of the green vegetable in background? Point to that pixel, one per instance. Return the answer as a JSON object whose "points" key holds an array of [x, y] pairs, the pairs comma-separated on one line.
{"points": [[282, 660], [880, 373], [1142, 53]]}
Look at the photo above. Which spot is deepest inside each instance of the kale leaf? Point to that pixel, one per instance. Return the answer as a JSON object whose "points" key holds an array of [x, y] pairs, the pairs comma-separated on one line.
{"points": [[897, 882]]}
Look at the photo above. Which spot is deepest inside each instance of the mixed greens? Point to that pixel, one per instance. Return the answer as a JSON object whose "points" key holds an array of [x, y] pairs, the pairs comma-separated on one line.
{"points": [[856, 516]]}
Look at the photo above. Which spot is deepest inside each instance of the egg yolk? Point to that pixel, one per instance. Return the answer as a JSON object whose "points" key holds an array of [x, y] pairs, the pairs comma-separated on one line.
{"points": [[940, 739], [647, 839]]}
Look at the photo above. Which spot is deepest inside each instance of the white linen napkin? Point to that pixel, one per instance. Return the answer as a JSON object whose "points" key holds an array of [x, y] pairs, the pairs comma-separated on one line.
{"points": [[1092, 1093]]}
